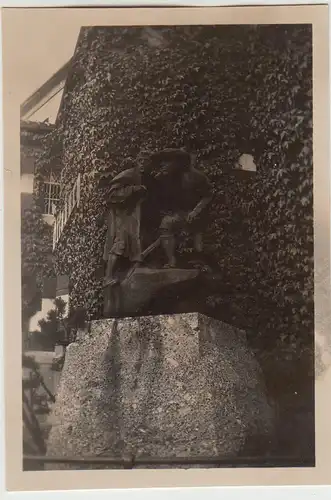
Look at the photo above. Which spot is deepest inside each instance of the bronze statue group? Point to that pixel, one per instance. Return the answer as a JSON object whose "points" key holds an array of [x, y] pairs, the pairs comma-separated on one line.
{"points": [[177, 195]]}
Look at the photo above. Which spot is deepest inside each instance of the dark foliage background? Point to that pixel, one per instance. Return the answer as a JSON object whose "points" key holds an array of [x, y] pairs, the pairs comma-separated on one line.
{"points": [[219, 91], [36, 260], [36, 234]]}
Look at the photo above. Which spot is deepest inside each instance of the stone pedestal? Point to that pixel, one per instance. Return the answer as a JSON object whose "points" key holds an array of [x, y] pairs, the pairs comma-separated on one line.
{"points": [[181, 385]]}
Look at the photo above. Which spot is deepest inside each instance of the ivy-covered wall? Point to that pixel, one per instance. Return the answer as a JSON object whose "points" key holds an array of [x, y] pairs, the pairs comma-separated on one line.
{"points": [[219, 91]]}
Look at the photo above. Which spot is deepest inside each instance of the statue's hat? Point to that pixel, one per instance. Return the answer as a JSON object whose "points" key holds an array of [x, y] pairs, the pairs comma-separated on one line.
{"points": [[172, 154]]}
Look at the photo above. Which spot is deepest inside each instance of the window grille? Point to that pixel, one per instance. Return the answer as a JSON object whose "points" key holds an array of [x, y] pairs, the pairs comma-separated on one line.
{"points": [[70, 202], [51, 196]]}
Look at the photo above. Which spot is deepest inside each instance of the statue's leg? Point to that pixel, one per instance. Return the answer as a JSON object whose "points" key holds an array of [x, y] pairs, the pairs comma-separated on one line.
{"points": [[132, 235], [115, 253], [168, 240], [136, 253], [198, 242], [111, 264], [168, 243], [197, 228]]}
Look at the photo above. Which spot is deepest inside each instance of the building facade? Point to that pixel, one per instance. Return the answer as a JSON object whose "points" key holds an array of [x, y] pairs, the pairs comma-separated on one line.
{"points": [[38, 116]]}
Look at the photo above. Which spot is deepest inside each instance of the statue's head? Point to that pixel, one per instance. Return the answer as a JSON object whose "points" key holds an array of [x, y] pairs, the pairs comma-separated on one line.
{"points": [[174, 161], [143, 161]]}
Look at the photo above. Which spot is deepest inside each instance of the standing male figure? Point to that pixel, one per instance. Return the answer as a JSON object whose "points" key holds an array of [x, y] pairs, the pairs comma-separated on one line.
{"points": [[125, 195], [183, 194]]}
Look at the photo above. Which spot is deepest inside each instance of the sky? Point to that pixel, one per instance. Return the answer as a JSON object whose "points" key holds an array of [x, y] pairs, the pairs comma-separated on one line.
{"points": [[40, 49]]}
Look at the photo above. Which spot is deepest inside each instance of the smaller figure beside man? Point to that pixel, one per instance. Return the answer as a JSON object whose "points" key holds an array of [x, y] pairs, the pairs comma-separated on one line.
{"points": [[182, 194]]}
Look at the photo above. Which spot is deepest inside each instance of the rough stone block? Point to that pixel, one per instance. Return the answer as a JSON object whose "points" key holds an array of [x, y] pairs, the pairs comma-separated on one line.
{"points": [[182, 385]]}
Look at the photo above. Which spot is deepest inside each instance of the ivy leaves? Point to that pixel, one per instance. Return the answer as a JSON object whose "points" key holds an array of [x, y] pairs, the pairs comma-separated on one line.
{"points": [[36, 248], [219, 91]]}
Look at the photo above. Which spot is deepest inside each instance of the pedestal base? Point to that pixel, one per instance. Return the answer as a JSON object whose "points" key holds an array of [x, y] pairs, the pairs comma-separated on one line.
{"points": [[181, 385]]}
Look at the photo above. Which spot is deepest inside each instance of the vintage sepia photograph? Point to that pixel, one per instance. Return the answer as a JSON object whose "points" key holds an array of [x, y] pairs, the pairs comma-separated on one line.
{"points": [[167, 251], [167, 243]]}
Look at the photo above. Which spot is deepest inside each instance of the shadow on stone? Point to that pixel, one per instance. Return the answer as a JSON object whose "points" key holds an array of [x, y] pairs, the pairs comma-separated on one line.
{"points": [[181, 385]]}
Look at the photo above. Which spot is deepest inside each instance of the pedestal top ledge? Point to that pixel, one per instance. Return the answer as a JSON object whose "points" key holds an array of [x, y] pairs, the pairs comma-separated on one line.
{"points": [[188, 324]]}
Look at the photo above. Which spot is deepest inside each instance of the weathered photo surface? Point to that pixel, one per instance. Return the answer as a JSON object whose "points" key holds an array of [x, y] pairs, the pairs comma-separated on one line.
{"points": [[167, 199], [167, 250]]}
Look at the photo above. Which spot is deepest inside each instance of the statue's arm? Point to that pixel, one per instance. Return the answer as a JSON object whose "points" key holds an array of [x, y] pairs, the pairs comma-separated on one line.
{"points": [[120, 194], [125, 194]]}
